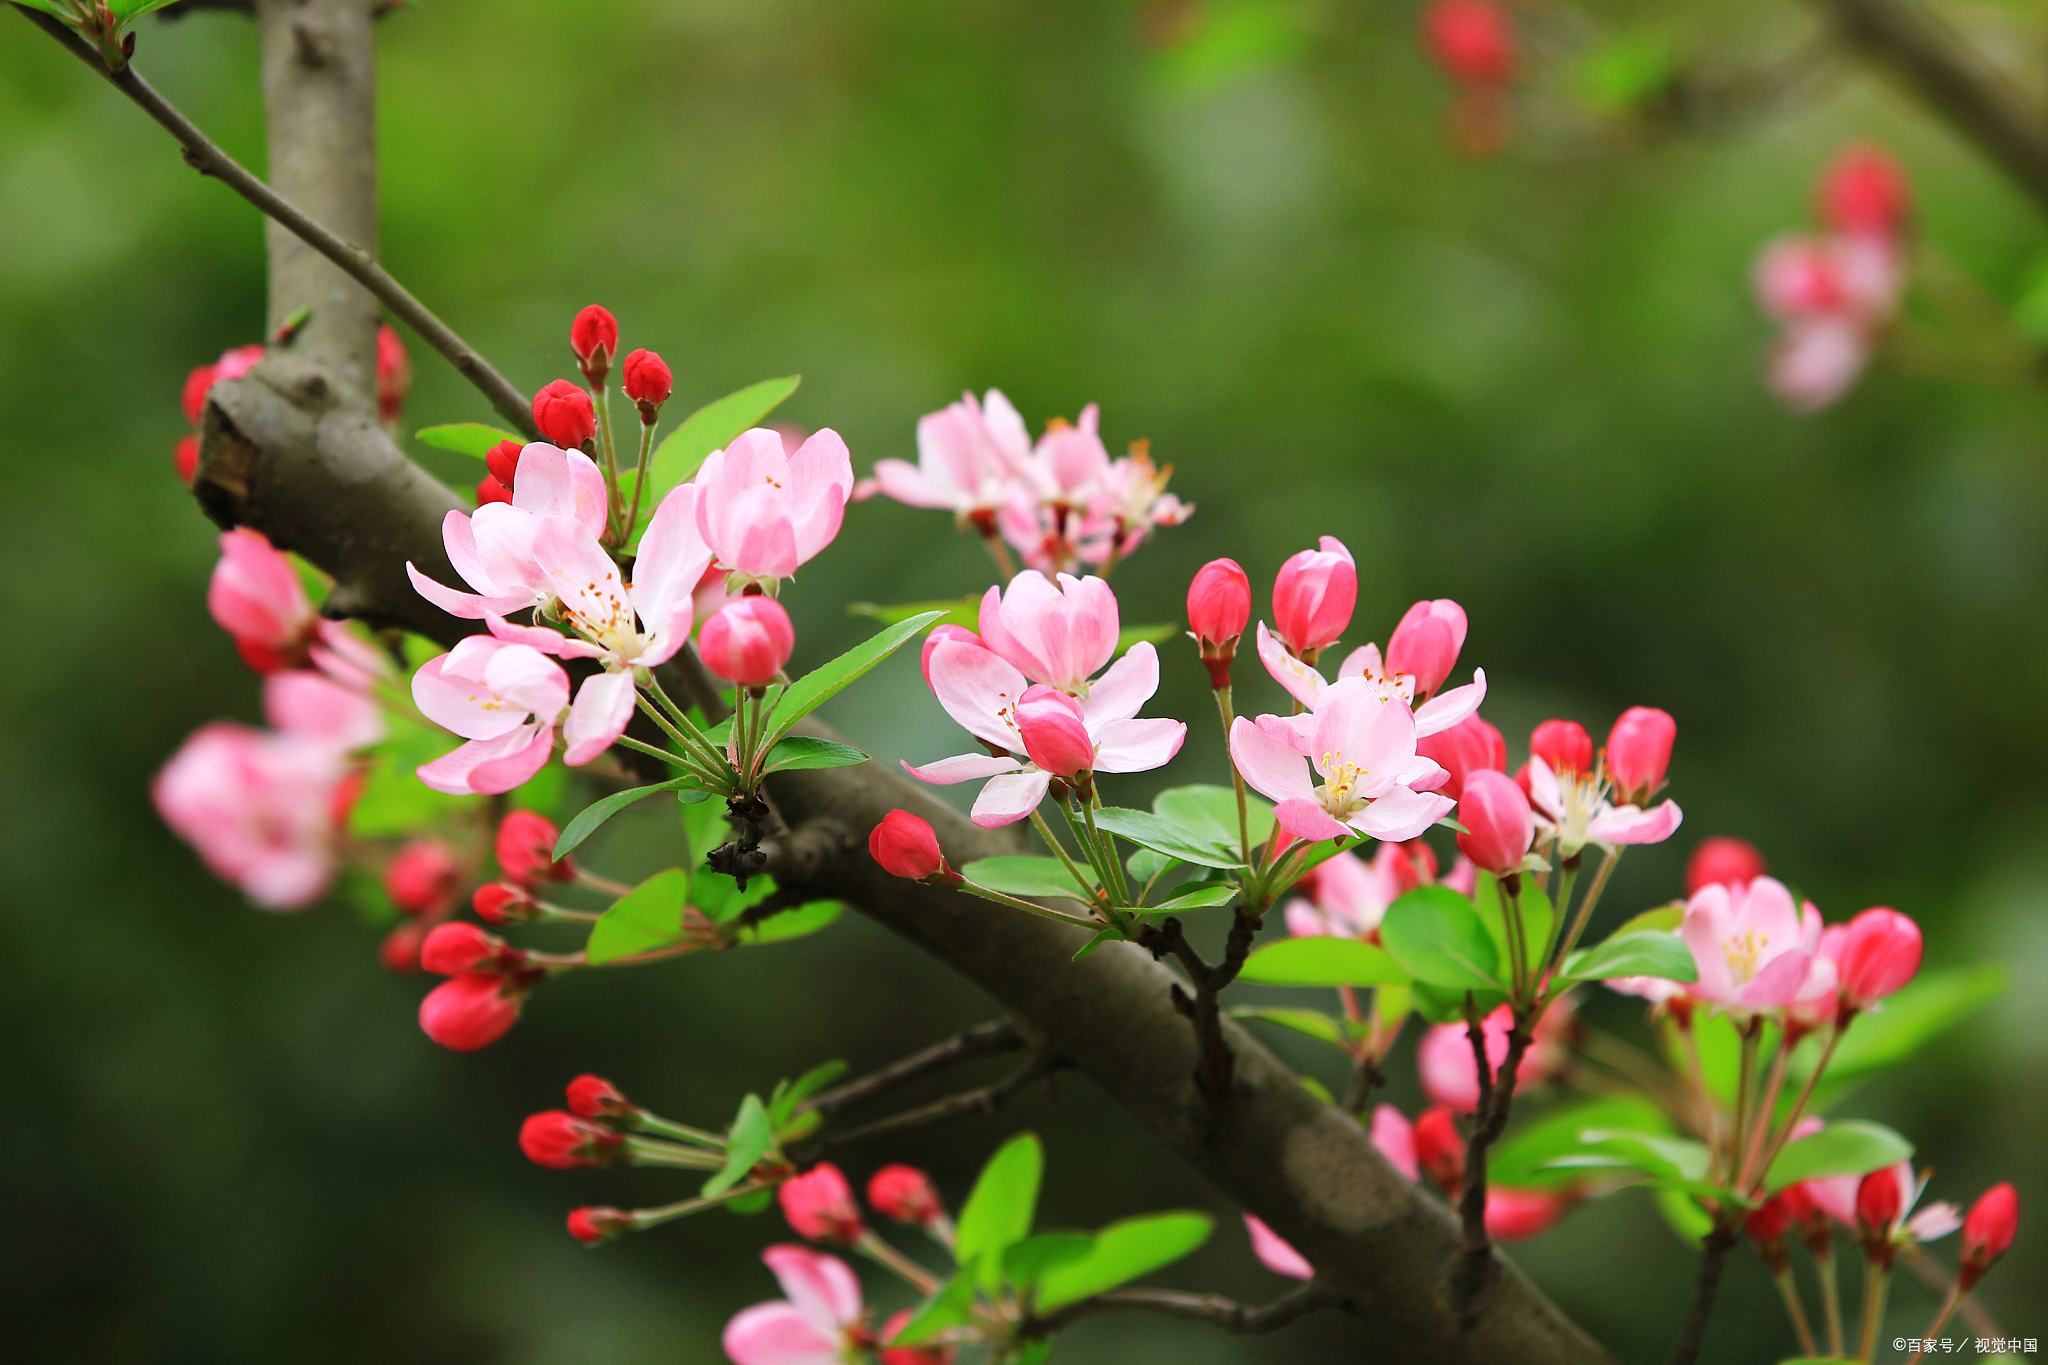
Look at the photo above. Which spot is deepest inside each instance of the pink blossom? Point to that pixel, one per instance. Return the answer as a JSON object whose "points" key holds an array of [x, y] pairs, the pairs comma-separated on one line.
{"points": [[1346, 896], [1444, 1056], [318, 710], [1363, 747], [763, 512], [505, 699], [1058, 635], [1394, 1135], [819, 1323], [1878, 954], [258, 807], [1131, 501], [255, 594], [1425, 645], [1838, 1196], [1752, 945], [492, 547], [1499, 824], [969, 456], [1054, 732], [1307, 685], [1275, 1254], [1575, 811], [748, 640], [1513, 1214], [1831, 295], [1313, 595], [940, 634]]}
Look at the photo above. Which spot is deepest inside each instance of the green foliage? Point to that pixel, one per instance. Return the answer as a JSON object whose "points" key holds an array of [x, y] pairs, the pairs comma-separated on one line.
{"points": [[953, 611], [465, 438], [1446, 1005], [1626, 71], [950, 1307], [1535, 915], [1198, 898], [1122, 1252], [1436, 936], [1649, 952], [1310, 1023], [1844, 1147], [1188, 844], [808, 751], [787, 1124], [394, 801], [1321, 962], [751, 1137], [1021, 875], [1665, 1161], [1211, 812], [1028, 1261], [1523, 1157], [719, 898], [1145, 635], [998, 1211], [1666, 918], [648, 916], [593, 816], [1912, 1018], [806, 919], [711, 427], [821, 684]]}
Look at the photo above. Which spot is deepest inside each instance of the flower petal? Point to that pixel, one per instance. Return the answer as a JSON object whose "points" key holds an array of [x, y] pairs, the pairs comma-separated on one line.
{"points": [[1274, 769], [604, 705], [980, 691], [1401, 814], [819, 1287], [945, 772], [1446, 709], [1629, 825], [1137, 746], [1301, 680], [1009, 798], [1128, 685]]}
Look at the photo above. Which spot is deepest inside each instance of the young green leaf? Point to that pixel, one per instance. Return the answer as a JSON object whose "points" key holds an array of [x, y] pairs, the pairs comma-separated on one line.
{"points": [[1844, 1147], [592, 817], [956, 611], [1435, 935], [1197, 898], [1124, 1251], [1164, 836], [750, 1138], [711, 427], [1664, 917], [1145, 635], [808, 751], [1443, 1005], [998, 1211], [950, 1307], [806, 919], [648, 916], [1313, 1023], [1027, 1262], [1522, 1159], [1647, 952], [719, 899], [821, 684], [1657, 1155], [1211, 811], [1146, 865], [1320, 962], [1018, 875], [789, 1094], [465, 438]]}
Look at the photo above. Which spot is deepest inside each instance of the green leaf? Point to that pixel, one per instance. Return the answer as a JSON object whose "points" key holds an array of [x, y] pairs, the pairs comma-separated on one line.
{"points": [[808, 918], [1535, 908], [950, 1307], [1146, 865], [1318, 1089], [1844, 1147], [720, 899], [711, 427], [394, 801], [1522, 1157], [1647, 952], [1202, 898], [789, 1094], [1625, 72], [954, 611], [1164, 836], [1019, 875], [1100, 937], [648, 916], [821, 684], [1665, 917], [1435, 935], [757, 1202], [1027, 1262], [591, 817], [1657, 1155], [808, 751], [998, 1211], [1902, 1025], [466, 438], [1444, 1005], [1691, 1222], [1320, 962], [1313, 1023], [1144, 635], [746, 1142], [1124, 1251], [1211, 811]]}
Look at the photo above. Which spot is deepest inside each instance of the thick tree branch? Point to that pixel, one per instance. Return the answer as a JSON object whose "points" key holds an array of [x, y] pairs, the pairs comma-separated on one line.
{"points": [[310, 48], [1213, 1309], [1940, 66]]}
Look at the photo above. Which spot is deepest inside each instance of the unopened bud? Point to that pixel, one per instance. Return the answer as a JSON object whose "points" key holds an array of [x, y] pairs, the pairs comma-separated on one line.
{"points": [[1722, 861], [1054, 733], [1499, 825], [747, 641], [1426, 643], [1993, 1222], [1767, 1225], [929, 1353], [1440, 1150], [594, 1097], [1472, 40], [502, 903], [563, 1142], [1639, 752], [564, 415], [647, 381], [394, 375], [186, 457], [1564, 745], [422, 877], [1864, 193], [819, 1205], [591, 1226], [525, 850], [489, 490], [502, 460], [1879, 953], [460, 948], [1313, 596], [907, 846], [594, 336], [400, 949], [472, 1011], [1219, 608], [905, 1194]]}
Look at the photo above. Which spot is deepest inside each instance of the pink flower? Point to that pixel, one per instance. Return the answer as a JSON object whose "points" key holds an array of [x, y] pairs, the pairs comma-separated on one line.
{"points": [[819, 1205], [1055, 732], [940, 634], [475, 1009], [316, 709], [505, 699], [1275, 1254], [492, 547], [1563, 746], [1879, 953], [1831, 295], [1499, 826], [1513, 1214], [1363, 748], [1576, 811], [1472, 40], [1639, 752], [763, 513], [1131, 500], [969, 456], [1058, 635], [1865, 193], [748, 640], [394, 375], [818, 1324], [1313, 595], [255, 596], [1730, 862], [1395, 1138], [1466, 749], [1426, 643], [1444, 1056], [1752, 945], [258, 808], [905, 1194], [1306, 685], [1345, 897]]}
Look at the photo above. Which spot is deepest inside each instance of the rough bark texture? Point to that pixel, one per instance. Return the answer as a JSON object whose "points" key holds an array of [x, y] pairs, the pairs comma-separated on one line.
{"points": [[294, 451]]}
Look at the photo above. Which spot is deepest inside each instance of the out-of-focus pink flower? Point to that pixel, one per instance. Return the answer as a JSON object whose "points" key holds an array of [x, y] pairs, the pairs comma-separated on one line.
{"points": [[258, 808], [473, 1010], [563, 1142], [1639, 752], [1752, 945], [820, 1323], [764, 513], [318, 710], [748, 640], [492, 547], [423, 878], [1472, 40], [1313, 597], [504, 699], [1345, 896], [1883, 1209], [1440, 1149], [1364, 750], [1564, 746], [1815, 363], [1879, 953], [1467, 748], [1723, 861], [233, 364], [1499, 826], [1444, 1056], [394, 375], [564, 414], [255, 596], [598, 1223], [1831, 295], [969, 457], [1993, 1222], [525, 849], [1864, 192], [819, 1205], [1275, 1254], [905, 1194], [1394, 1136], [1514, 1214], [1425, 645]]}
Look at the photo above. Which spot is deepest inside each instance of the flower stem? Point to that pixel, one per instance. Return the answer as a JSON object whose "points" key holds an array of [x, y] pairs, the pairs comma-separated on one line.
{"points": [[1947, 1311], [650, 1123], [1799, 1105], [1015, 903], [639, 481], [1088, 848], [1763, 1118], [1571, 939], [1830, 1297], [613, 511], [647, 1218], [1060, 849], [1244, 824], [1789, 1291], [1108, 847], [882, 1254], [1876, 1282]]}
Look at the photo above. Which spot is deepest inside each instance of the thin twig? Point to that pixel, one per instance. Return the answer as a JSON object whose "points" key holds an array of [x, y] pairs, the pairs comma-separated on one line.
{"points": [[1214, 1070], [968, 1103], [983, 1040], [1713, 1259], [1213, 1309], [208, 159]]}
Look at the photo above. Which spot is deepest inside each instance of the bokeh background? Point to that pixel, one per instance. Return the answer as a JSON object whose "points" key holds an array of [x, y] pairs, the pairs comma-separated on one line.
{"points": [[1531, 383]]}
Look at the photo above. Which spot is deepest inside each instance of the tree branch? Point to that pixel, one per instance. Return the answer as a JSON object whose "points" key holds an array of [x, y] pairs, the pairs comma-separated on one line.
{"points": [[1713, 1259], [312, 45], [983, 1040], [968, 1103], [1213, 1309], [1941, 67]]}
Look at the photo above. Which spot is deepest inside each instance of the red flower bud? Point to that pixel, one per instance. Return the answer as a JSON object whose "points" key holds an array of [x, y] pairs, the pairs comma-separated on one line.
{"points": [[1219, 608], [186, 458], [564, 414], [400, 950], [931, 1354], [905, 1194], [1767, 1225], [459, 948], [645, 377], [422, 877], [1878, 1202], [1879, 954], [598, 1224], [472, 1011], [747, 641], [1564, 745], [1993, 1222], [1864, 193], [489, 490], [503, 461], [819, 1205], [906, 846], [1425, 644], [501, 903], [563, 1142], [1799, 1204], [1439, 1149], [1054, 734], [192, 402], [1499, 825], [1313, 595], [1639, 751], [594, 337], [594, 1097], [526, 850], [940, 635], [394, 375], [1472, 40], [1722, 861], [1464, 749]]}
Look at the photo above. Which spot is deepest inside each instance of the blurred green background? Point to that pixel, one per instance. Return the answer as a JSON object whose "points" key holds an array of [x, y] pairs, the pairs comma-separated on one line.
{"points": [[1530, 383]]}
